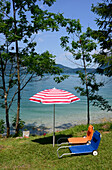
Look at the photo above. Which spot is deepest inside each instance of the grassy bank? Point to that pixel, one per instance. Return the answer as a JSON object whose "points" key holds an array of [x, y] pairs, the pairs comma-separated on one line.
{"points": [[36, 152]]}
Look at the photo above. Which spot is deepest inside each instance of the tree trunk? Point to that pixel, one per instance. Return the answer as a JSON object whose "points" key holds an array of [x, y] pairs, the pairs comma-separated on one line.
{"points": [[18, 103], [18, 70], [88, 114], [7, 119], [5, 97]]}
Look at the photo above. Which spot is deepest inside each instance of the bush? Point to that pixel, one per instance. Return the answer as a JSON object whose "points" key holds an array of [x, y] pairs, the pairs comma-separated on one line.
{"points": [[20, 126], [2, 127], [21, 123]]}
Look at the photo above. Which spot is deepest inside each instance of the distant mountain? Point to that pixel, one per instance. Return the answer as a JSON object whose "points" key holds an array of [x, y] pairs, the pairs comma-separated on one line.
{"points": [[74, 70]]}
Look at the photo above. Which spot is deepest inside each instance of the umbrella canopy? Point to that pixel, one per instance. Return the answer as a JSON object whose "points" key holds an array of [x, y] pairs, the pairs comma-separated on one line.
{"points": [[54, 96]]}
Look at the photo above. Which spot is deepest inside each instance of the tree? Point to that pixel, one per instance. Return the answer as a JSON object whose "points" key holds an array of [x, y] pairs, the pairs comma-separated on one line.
{"points": [[81, 46], [19, 21], [8, 78], [104, 36], [37, 66]]}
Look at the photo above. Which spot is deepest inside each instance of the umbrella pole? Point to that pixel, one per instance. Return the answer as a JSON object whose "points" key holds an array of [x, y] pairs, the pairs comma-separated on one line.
{"points": [[54, 127]]}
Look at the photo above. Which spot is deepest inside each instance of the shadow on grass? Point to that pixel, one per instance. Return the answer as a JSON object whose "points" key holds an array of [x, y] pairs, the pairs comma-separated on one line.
{"points": [[49, 139], [65, 126]]}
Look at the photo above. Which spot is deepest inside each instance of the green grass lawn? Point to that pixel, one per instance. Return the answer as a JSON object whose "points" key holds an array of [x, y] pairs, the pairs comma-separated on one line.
{"points": [[37, 152]]}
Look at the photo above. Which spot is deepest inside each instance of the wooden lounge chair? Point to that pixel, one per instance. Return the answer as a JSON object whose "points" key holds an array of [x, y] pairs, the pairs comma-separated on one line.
{"points": [[83, 149], [78, 140]]}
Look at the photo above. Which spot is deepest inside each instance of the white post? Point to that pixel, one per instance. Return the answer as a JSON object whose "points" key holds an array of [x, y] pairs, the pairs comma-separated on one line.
{"points": [[54, 127]]}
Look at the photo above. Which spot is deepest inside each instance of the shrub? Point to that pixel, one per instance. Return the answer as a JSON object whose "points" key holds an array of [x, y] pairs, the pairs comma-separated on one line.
{"points": [[20, 126], [2, 127]]}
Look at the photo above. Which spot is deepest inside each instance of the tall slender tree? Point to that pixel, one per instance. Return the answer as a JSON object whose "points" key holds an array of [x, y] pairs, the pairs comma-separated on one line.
{"points": [[19, 21], [8, 81], [81, 45]]}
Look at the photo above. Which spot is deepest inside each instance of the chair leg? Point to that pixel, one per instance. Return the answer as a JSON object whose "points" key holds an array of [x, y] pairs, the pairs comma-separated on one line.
{"points": [[63, 147]]}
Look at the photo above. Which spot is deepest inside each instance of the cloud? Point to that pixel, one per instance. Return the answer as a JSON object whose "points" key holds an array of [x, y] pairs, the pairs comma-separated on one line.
{"points": [[66, 54], [40, 40], [94, 52], [66, 59]]}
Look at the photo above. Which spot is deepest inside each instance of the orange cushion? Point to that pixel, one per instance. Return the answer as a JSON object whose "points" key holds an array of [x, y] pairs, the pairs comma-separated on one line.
{"points": [[77, 140]]}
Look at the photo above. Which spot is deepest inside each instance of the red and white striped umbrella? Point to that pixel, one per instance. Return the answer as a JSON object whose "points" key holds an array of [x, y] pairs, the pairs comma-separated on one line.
{"points": [[54, 96]]}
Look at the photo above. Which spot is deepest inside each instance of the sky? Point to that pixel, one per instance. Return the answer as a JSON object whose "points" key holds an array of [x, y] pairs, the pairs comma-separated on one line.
{"points": [[73, 9]]}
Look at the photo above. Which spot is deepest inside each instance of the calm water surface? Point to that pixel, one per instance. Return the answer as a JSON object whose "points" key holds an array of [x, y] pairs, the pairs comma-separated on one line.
{"points": [[66, 114]]}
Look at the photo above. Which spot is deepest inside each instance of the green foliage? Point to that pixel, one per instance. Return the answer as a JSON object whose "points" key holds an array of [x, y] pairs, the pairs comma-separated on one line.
{"points": [[104, 11], [93, 88], [8, 75], [25, 28], [20, 125], [100, 102], [41, 64], [2, 127], [38, 20], [19, 21], [105, 64], [61, 78], [49, 2], [104, 36], [81, 46]]}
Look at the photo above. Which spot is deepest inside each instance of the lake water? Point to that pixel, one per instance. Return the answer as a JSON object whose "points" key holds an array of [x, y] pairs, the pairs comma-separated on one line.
{"points": [[66, 114]]}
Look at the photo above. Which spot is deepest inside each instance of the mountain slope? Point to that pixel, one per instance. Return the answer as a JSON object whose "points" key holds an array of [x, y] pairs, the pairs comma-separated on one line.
{"points": [[74, 70]]}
